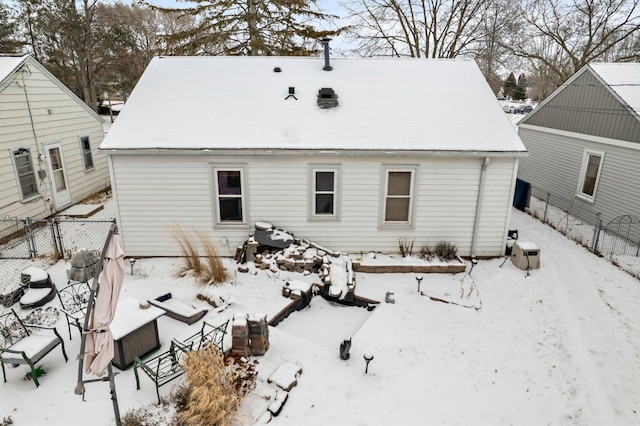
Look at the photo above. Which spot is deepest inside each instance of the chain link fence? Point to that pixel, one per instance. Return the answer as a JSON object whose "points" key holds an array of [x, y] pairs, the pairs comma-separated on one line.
{"points": [[618, 241], [41, 243]]}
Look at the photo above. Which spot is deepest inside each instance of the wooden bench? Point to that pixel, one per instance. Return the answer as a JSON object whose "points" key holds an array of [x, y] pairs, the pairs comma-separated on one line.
{"points": [[164, 368]]}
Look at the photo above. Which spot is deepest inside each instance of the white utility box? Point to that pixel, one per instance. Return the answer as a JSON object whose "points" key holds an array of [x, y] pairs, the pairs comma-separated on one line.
{"points": [[525, 255]]}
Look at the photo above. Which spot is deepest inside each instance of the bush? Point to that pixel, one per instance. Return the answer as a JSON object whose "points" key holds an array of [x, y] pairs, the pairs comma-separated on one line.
{"points": [[425, 252], [445, 250], [215, 387], [405, 246]]}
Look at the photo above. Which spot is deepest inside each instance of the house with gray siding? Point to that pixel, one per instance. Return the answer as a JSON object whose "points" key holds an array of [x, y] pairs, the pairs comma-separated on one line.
{"points": [[584, 141], [352, 154], [49, 139]]}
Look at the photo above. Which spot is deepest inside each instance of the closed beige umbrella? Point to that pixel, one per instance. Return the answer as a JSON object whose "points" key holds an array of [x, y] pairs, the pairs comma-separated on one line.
{"points": [[99, 342]]}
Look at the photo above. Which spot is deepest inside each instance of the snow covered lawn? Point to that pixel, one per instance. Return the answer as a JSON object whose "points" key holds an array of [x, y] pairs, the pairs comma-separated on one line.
{"points": [[560, 346]]}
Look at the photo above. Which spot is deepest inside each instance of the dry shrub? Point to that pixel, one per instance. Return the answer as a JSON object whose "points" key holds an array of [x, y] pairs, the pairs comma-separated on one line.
{"points": [[215, 387], [207, 272], [192, 264], [215, 271], [445, 250], [425, 252], [405, 246]]}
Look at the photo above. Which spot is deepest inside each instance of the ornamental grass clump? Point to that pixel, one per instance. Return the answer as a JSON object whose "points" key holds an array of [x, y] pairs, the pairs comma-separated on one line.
{"points": [[206, 271], [215, 387]]}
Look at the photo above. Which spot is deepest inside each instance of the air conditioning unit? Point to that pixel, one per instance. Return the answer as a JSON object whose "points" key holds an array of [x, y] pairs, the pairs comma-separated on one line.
{"points": [[525, 255]]}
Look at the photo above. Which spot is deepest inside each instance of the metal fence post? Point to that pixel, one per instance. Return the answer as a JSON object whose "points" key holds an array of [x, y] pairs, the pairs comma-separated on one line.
{"points": [[596, 233], [31, 243], [57, 237], [546, 206]]}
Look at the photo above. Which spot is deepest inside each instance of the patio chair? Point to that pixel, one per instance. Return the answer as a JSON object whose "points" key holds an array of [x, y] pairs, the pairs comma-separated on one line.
{"points": [[22, 343], [74, 299]]}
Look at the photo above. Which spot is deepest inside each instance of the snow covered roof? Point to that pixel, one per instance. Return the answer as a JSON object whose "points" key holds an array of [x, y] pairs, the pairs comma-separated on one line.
{"points": [[622, 78], [8, 64], [243, 103]]}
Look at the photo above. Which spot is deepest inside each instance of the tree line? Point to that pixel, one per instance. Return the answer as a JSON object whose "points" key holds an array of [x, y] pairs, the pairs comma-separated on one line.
{"points": [[97, 47]]}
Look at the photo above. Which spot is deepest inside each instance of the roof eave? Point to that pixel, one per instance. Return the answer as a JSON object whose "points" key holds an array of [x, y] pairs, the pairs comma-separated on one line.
{"points": [[336, 152]]}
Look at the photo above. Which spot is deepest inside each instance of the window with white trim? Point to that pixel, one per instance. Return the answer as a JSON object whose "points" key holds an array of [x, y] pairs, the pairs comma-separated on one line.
{"points": [[230, 202], [590, 174], [325, 190], [398, 199], [25, 173], [85, 147]]}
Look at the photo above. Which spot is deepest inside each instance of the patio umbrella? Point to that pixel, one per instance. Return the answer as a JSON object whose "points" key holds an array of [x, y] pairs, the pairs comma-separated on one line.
{"points": [[99, 342]]}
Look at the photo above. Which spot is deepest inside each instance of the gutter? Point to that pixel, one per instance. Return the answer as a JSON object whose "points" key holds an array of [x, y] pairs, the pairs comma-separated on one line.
{"points": [[294, 152], [476, 222]]}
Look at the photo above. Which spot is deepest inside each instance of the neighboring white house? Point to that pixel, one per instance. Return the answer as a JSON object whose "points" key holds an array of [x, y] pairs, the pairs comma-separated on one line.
{"points": [[584, 141], [353, 158], [49, 139]]}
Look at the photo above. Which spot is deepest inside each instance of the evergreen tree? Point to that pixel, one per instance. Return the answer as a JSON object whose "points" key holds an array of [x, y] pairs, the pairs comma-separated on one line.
{"points": [[250, 27], [8, 41], [520, 91], [509, 86]]}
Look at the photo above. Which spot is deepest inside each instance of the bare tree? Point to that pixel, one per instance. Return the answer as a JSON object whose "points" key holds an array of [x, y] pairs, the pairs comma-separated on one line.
{"points": [[564, 36], [501, 20], [416, 28]]}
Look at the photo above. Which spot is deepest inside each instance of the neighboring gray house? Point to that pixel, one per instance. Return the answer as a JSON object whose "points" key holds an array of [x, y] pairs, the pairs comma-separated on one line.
{"points": [[584, 140], [49, 140], [352, 158]]}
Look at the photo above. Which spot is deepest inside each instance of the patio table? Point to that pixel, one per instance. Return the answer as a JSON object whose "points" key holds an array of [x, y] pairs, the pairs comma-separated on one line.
{"points": [[135, 332]]}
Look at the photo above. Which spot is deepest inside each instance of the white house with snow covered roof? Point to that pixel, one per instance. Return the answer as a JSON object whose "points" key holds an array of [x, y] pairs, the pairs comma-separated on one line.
{"points": [[49, 140], [352, 154], [584, 141]]}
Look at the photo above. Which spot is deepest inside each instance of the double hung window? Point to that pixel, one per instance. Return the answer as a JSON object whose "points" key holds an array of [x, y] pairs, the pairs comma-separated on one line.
{"points": [[325, 191], [398, 196], [25, 172], [590, 174], [230, 201]]}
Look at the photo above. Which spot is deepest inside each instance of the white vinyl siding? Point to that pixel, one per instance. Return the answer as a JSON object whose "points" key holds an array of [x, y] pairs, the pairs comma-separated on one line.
{"points": [[590, 174], [57, 116], [554, 166], [324, 192], [176, 190]]}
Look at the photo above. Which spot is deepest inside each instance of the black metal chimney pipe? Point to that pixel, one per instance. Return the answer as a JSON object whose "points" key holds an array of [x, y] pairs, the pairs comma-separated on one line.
{"points": [[325, 42]]}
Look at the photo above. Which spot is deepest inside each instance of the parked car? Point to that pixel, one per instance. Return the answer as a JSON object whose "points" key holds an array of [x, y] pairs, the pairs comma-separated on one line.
{"points": [[523, 109]]}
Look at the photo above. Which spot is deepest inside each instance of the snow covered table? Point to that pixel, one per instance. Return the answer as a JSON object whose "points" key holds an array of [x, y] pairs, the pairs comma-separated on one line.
{"points": [[135, 331]]}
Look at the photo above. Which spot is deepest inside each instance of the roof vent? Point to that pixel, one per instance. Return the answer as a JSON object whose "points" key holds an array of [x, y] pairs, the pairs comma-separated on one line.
{"points": [[327, 98], [292, 93], [325, 42], [277, 69]]}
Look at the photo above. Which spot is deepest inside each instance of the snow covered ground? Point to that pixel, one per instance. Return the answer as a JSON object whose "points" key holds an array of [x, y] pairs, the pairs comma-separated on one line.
{"points": [[559, 346]]}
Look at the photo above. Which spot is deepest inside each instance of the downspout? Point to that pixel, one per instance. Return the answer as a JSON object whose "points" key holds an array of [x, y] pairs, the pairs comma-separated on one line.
{"points": [[476, 222]]}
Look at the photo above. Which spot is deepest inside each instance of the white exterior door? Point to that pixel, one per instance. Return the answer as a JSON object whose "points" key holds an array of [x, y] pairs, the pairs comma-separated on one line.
{"points": [[61, 195]]}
